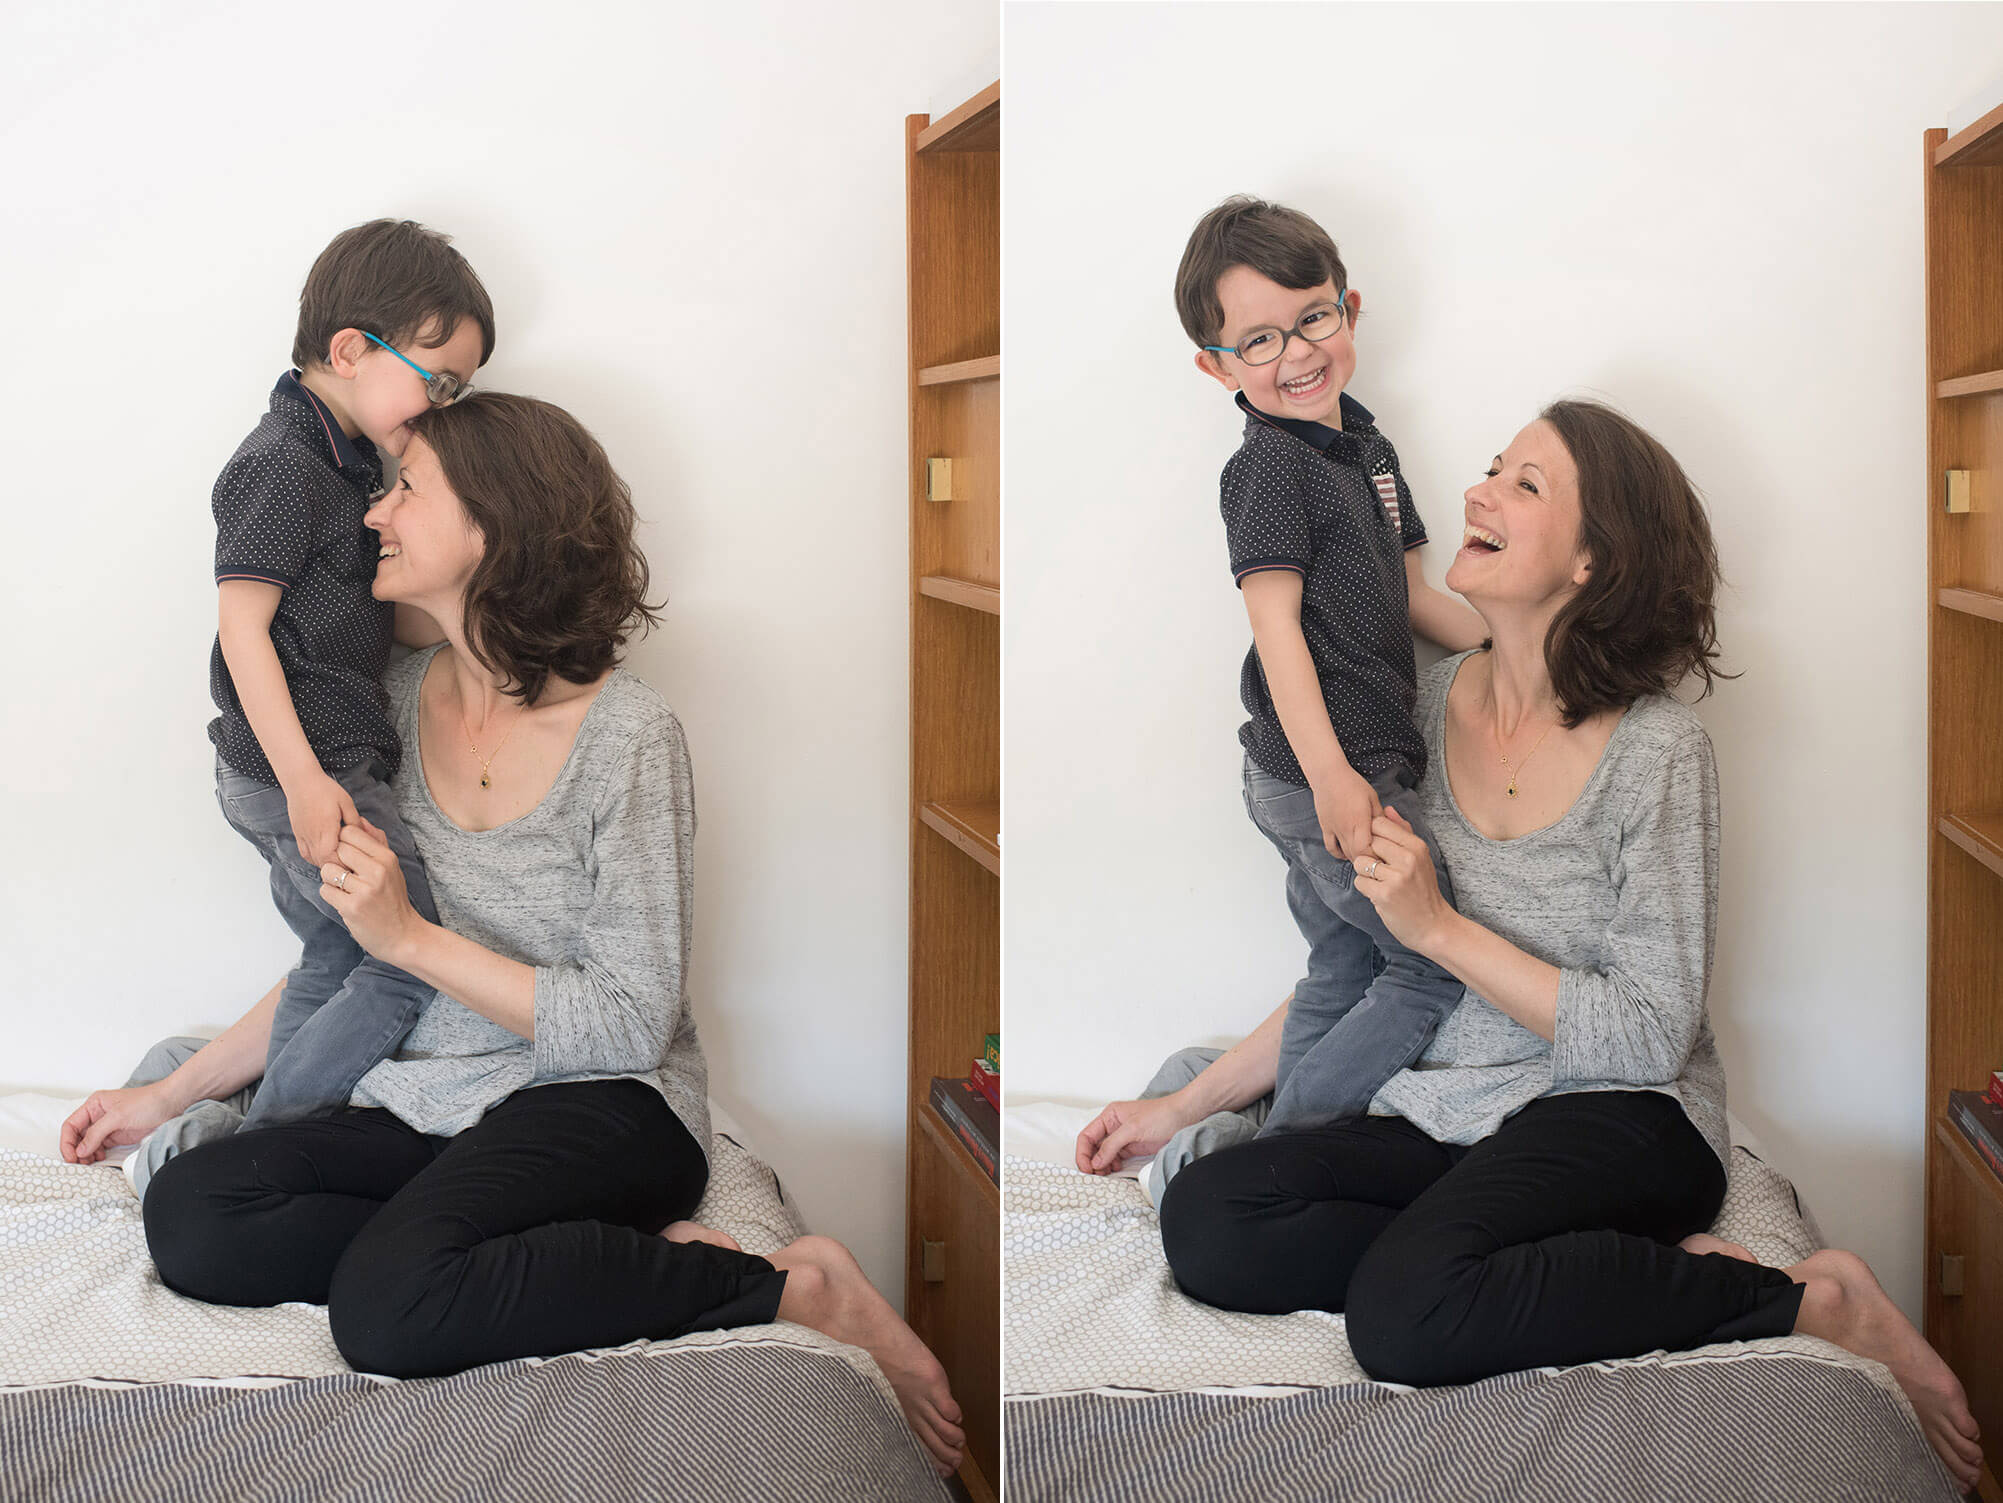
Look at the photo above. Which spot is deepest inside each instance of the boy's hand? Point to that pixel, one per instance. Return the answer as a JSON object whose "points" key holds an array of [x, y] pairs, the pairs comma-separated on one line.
{"points": [[1346, 808], [318, 808]]}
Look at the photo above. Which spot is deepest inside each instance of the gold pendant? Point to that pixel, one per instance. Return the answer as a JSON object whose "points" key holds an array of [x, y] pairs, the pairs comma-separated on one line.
{"points": [[1512, 788], [485, 784]]}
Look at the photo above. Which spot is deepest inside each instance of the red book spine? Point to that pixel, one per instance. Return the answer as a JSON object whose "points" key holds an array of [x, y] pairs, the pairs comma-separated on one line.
{"points": [[987, 1083], [1995, 1091]]}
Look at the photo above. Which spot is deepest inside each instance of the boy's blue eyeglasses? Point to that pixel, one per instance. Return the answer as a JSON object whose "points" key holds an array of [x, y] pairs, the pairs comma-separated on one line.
{"points": [[443, 390], [1264, 346]]}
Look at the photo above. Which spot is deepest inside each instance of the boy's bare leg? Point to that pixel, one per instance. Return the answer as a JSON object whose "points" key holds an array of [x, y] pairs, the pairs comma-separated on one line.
{"points": [[1842, 1302], [695, 1231], [827, 1290]]}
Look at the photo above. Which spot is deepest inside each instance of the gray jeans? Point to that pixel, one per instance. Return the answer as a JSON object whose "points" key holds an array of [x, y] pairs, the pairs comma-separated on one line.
{"points": [[1351, 1027], [343, 1010]]}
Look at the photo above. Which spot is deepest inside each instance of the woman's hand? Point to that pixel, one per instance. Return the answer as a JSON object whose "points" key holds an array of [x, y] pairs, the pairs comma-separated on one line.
{"points": [[1130, 1129], [111, 1119], [364, 884], [1398, 877]]}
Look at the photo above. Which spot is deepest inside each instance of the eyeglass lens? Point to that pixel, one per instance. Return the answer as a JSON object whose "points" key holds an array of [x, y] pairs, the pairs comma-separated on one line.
{"points": [[1264, 346]]}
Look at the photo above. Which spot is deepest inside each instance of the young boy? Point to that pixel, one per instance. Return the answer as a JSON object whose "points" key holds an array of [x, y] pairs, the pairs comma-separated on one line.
{"points": [[391, 320], [1324, 543]]}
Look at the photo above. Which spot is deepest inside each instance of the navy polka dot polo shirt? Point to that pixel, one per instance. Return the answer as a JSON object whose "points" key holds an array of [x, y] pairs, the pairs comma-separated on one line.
{"points": [[1331, 505], [288, 509]]}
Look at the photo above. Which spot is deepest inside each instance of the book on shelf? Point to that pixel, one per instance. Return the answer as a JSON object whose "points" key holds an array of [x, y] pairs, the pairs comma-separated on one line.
{"points": [[1995, 1091], [991, 1051], [987, 1082], [1981, 1122], [973, 1120]]}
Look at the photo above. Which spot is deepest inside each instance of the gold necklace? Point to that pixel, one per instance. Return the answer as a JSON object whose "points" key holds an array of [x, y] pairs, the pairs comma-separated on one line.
{"points": [[487, 762], [1501, 750]]}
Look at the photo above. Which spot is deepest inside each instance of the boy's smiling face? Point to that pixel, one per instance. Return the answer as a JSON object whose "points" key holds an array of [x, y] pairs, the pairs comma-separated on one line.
{"points": [[1307, 381]]}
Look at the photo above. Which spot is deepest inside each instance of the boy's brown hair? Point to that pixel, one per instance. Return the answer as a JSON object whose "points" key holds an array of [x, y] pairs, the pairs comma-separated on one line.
{"points": [[562, 582], [1646, 617], [1279, 243], [395, 279]]}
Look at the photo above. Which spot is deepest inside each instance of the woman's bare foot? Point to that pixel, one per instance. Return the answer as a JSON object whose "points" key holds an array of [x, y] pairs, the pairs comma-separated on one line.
{"points": [[1842, 1302], [695, 1231], [827, 1289], [1704, 1242]]}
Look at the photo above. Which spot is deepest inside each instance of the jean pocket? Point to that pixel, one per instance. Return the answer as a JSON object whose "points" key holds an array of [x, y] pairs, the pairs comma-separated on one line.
{"points": [[248, 802]]}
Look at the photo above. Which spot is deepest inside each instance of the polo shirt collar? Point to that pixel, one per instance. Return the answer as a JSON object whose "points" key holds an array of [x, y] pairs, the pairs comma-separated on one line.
{"points": [[357, 458], [1354, 415]]}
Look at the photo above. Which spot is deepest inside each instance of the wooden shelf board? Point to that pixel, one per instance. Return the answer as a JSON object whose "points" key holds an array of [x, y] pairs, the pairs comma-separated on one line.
{"points": [[957, 1154], [1979, 145], [960, 370], [1981, 835], [1973, 603], [967, 592], [974, 828], [974, 126], [1970, 386], [1971, 1163]]}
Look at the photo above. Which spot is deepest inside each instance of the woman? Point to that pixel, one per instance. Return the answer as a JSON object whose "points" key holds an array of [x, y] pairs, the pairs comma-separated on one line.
{"points": [[494, 1189], [1536, 1190]]}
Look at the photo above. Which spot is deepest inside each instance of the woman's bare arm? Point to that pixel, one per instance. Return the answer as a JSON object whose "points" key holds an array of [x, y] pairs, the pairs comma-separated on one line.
{"points": [[230, 1061], [222, 1067], [1236, 1079]]}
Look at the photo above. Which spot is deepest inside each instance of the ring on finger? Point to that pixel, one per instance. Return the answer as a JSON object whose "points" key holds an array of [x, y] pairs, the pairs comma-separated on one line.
{"points": [[341, 878]]}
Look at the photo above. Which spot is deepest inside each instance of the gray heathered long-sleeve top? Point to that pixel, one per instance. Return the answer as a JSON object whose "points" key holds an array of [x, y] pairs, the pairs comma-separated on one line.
{"points": [[594, 888], [1621, 894]]}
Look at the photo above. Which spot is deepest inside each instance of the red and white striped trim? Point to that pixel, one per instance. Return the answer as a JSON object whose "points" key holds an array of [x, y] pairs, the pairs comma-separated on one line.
{"points": [[1387, 492]]}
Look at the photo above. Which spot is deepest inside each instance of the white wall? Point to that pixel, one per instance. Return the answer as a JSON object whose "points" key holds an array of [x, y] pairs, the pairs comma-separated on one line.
{"points": [[1710, 215], [645, 190]]}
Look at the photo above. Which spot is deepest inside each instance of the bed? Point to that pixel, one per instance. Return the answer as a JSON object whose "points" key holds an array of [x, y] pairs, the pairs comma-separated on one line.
{"points": [[114, 1387], [1117, 1386]]}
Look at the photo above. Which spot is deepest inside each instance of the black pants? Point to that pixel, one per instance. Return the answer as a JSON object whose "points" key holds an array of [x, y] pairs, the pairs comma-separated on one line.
{"points": [[1552, 1242], [531, 1233]]}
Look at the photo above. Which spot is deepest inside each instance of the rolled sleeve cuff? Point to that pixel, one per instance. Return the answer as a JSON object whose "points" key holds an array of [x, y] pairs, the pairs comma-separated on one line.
{"points": [[1241, 572], [261, 574]]}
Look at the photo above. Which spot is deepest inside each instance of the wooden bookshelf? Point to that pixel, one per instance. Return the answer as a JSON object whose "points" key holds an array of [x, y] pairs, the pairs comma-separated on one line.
{"points": [[1964, 335], [1970, 386], [987, 367], [974, 596], [953, 182]]}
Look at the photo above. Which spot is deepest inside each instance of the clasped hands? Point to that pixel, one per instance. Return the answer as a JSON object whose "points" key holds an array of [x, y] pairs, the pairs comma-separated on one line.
{"points": [[363, 883], [1393, 867]]}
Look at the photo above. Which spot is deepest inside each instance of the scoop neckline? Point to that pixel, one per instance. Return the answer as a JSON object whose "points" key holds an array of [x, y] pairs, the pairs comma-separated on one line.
{"points": [[1439, 718], [424, 779]]}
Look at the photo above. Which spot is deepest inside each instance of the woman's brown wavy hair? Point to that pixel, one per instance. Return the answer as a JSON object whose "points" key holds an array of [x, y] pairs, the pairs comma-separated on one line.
{"points": [[562, 583], [1646, 618]]}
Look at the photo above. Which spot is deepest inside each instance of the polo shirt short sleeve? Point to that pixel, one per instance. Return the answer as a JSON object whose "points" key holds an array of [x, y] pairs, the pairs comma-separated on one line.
{"points": [[1265, 512], [265, 518]]}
